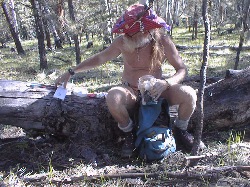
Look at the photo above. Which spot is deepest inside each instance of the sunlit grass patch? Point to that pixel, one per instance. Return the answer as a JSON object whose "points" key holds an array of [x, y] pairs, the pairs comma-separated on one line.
{"points": [[219, 60], [182, 36], [26, 67]]}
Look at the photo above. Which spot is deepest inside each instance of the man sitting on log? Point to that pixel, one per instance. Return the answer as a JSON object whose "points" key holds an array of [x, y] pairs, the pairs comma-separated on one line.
{"points": [[144, 47]]}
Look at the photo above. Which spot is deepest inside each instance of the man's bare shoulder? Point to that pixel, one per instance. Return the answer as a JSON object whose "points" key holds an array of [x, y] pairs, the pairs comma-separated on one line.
{"points": [[166, 39], [118, 41], [167, 42]]}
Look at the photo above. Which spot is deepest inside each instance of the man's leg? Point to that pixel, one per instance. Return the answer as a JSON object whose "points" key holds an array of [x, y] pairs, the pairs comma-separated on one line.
{"points": [[185, 97], [120, 101]]}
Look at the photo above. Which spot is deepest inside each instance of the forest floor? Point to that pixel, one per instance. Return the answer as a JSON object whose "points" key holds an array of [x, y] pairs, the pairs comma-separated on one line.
{"points": [[48, 161], [25, 161]]}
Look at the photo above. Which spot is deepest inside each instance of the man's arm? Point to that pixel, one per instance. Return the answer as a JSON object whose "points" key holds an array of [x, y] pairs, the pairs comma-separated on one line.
{"points": [[175, 60], [173, 57], [96, 60], [102, 57]]}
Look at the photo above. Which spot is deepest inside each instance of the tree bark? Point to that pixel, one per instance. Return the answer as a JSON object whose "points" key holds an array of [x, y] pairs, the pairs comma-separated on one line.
{"points": [[60, 19], [75, 37], [226, 105], [47, 35], [51, 24], [13, 30], [203, 74], [244, 29], [195, 24], [40, 35], [36, 109], [12, 7]]}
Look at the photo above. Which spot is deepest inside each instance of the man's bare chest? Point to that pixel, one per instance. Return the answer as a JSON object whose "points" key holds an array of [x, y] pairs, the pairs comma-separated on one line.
{"points": [[140, 58]]}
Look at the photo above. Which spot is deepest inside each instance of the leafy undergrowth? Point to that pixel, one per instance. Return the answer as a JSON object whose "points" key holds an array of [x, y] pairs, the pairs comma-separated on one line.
{"points": [[47, 161]]}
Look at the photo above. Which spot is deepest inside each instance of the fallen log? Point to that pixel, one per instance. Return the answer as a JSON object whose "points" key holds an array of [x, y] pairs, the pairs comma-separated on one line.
{"points": [[232, 72], [212, 47], [38, 112], [226, 105], [227, 102]]}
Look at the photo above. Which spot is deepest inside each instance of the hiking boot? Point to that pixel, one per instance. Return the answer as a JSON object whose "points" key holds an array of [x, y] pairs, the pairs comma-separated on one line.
{"points": [[186, 139], [128, 145]]}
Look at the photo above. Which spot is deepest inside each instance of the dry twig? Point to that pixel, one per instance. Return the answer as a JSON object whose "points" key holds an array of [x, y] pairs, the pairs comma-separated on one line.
{"points": [[213, 173]]}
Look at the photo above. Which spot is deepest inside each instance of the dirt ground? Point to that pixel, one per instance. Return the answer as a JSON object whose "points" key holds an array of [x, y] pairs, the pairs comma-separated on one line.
{"points": [[50, 158]]}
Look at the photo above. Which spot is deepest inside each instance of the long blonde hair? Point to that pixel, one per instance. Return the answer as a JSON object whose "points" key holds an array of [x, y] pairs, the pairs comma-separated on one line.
{"points": [[157, 53]]}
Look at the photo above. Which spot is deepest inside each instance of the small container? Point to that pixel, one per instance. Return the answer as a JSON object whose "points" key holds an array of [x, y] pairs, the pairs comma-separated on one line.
{"points": [[101, 94], [80, 91], [146, 82], [34, 85], [145, 85], [91, 95]]}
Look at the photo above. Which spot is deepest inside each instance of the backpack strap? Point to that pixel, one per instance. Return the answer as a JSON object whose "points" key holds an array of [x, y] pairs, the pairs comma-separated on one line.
{"points": [[164, 117], [148, 115]]}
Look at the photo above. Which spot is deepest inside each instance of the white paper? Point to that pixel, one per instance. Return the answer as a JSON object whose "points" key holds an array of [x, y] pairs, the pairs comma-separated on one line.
{"points": [[60, 93]]}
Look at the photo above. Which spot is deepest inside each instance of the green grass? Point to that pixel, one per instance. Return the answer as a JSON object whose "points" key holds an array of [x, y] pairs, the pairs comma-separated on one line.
{"points": [[219, 60], [26, 67]]}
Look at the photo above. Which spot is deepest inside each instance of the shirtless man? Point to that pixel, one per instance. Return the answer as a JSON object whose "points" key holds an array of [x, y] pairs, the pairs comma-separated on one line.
{"points": [[144, 47]]}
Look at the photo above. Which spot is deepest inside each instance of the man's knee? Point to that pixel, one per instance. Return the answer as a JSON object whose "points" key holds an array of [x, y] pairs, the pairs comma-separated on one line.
{"points": [[119, 96], [116, 96], [181, 94], [112, 96], [190, 95]]}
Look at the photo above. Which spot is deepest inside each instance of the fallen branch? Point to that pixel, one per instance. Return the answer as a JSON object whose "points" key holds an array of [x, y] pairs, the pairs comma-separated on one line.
{"points": [[212, 47], [181, 175], [198, 157], [229, 168], [241, 145], [212, 174]]}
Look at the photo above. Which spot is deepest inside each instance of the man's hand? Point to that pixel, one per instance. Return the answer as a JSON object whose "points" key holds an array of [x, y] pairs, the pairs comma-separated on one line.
{"points": [[63, 79], [159, 87]]}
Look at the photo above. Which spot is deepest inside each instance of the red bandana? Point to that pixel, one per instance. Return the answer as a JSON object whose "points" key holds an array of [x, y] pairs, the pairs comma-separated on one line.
{"points": [[138, 18]]}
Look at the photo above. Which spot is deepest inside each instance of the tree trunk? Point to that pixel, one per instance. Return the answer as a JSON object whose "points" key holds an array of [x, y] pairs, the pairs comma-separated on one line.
{"points": [[226, 105], [13, 30], [176, 10], [195, 24], [51, 24], [40, 35], [169, 19], [77, 49], [47, 34], [164, 10], [203, 74], [245, 28], [221, 12], [12, 7], [77, 46], [60, 20]]}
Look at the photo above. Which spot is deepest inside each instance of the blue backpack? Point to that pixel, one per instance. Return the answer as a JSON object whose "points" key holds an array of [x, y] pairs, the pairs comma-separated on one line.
{"points": [[154, 136]]}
